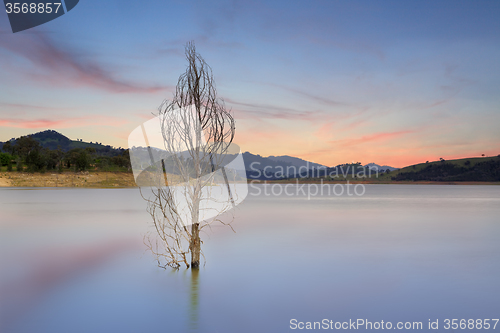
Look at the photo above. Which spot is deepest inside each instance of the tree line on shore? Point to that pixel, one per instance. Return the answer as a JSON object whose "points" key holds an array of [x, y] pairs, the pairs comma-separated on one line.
{"points": [[487, 170], [27, 154]]}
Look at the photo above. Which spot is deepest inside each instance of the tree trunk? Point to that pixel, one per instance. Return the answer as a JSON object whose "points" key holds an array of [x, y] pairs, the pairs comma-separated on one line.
{"points": [[195, 246]]}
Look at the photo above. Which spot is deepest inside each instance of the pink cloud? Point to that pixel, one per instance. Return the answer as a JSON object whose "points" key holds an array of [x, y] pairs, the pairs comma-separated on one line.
{"points": [[63, 122], [382, 136], [342, 123], [30, 106], [325, 130], [62, 67]]}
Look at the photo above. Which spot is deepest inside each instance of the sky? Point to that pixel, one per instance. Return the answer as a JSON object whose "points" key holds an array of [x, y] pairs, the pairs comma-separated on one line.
{"points": [[389, 82]]}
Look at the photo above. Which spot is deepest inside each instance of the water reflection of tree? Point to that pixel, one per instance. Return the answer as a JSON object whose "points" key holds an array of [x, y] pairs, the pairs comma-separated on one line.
{"points": [[193, 301]]}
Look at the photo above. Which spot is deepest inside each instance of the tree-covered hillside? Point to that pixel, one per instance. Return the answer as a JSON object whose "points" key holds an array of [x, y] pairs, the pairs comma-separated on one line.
{"points": [[50, 150], [469, 169]]}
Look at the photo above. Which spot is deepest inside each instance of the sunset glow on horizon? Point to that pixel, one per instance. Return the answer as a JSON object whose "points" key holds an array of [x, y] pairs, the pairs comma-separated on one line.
{"points": [[331, 82]]}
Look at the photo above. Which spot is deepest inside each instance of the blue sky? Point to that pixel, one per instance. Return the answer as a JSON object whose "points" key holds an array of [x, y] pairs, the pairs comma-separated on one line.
{"points": [[392, 82]]}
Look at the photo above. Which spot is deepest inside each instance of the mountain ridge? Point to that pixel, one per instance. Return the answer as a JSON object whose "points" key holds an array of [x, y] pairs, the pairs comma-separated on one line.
{"points": [[53, 140], [380, 168]]}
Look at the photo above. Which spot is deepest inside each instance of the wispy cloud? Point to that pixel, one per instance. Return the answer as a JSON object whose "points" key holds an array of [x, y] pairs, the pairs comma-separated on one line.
{"points": [[20, 106], [381, 136], [342, 123], [62, 122], [261, 110], [58, 65], [321, 99], [255, 110]]}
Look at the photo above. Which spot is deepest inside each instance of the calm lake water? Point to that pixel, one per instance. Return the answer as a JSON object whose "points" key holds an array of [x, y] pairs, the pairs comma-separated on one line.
{"points": [[72, 260]]}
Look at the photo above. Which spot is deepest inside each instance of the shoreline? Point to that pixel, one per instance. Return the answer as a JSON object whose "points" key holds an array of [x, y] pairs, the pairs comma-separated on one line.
{"points": [[85, 179], [111, 179], [373, 182]]}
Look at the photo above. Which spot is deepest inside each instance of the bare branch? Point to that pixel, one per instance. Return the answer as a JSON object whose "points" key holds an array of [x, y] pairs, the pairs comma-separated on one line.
{"points": [[197, 131]]}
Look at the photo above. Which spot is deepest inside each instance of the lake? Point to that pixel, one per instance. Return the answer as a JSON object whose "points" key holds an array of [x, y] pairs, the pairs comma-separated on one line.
{"points": [[72, 260]]}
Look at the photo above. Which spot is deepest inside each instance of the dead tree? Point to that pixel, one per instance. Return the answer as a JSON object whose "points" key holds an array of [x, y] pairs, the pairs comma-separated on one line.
{"points": [[197, 132]]}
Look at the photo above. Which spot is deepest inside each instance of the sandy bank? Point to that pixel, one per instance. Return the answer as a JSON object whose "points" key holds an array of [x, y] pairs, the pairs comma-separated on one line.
{"points": [[67, 179]]}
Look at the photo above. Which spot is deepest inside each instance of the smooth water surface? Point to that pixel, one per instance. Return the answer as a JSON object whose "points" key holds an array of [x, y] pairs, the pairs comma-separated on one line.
{"points": [[72, 260]]}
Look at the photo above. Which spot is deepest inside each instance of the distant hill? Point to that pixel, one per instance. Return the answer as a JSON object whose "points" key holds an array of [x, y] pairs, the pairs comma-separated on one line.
{"points": [[295, 161], [466, 169], [380, 168], [276, 167], [53, 140]]}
